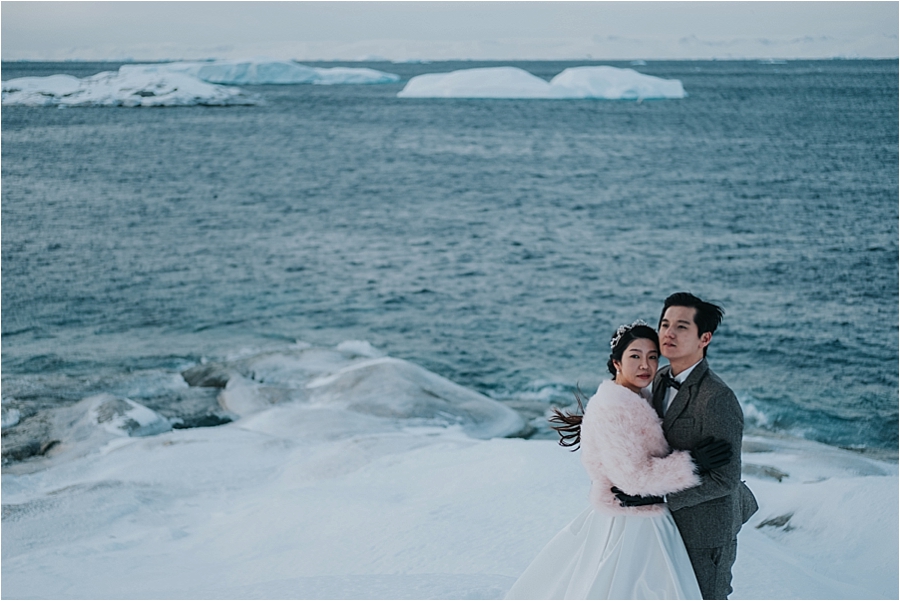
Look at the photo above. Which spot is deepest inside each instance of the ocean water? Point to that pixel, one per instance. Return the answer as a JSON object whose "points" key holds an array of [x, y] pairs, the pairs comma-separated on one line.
{"points": [[497, 243]]}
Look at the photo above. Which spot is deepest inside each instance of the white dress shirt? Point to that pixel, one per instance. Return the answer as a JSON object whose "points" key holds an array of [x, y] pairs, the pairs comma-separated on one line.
{"points": [[671, 391]]}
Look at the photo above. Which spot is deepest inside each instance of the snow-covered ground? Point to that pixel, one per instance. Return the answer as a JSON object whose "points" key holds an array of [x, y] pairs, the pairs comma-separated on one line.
{"points": [[609, 83], [371, 484]]}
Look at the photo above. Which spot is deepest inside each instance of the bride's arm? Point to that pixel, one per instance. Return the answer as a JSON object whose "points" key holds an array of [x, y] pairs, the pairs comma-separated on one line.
{"points": [[626, 444]]}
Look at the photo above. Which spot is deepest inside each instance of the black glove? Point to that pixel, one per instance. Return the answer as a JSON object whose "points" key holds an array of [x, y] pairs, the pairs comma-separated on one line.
{"points": [[710, 454], [634, 500]]}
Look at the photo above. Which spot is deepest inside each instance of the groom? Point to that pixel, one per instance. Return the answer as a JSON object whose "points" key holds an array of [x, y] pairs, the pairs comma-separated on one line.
{"points": [[694, 403]]}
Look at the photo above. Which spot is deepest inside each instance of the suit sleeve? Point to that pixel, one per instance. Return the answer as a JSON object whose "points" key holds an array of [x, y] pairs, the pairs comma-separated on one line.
{"points": [[617, 443], [720, 417]]}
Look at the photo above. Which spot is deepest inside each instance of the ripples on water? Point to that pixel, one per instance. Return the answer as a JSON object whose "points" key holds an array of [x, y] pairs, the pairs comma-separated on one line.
{"points": [[496, 242]]}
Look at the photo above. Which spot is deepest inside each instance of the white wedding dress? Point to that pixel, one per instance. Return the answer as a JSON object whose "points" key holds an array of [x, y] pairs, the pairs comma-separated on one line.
{"points": [[601, 556]]}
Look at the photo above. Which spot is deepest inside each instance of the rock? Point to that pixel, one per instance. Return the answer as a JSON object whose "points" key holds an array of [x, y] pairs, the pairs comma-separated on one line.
{"points": [[763, 471], [201, 421], [208, 375]]}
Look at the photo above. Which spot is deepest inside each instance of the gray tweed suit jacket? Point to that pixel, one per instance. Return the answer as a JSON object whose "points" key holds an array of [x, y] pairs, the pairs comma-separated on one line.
{"points": [[711, 514]]}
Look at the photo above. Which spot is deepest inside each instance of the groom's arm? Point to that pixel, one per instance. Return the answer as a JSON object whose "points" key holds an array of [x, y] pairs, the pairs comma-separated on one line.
{"points": [[720, 416]]}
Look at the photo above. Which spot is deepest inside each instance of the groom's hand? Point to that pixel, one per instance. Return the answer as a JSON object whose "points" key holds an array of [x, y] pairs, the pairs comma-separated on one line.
{"points": [[634, 500], [710, 454]]}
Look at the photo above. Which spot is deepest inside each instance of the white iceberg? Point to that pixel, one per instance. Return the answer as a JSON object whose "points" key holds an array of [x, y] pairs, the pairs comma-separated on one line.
{"points": [[130, 86], [182, 83], [609, 83], [265, 71], [487, 82]]}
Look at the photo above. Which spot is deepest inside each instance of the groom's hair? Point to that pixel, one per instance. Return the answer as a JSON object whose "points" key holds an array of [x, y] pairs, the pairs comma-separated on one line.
{"points": [[707, 315]]}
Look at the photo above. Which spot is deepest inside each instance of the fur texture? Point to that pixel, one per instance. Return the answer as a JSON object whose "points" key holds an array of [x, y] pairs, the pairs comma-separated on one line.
{"points": [[622, 444]]}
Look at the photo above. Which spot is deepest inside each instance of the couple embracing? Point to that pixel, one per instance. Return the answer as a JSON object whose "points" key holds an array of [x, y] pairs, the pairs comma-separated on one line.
{"points": [[663, 452]]}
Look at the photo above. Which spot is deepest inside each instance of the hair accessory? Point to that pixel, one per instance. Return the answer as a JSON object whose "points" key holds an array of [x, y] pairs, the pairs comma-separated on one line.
{"points": [[621, 332]]}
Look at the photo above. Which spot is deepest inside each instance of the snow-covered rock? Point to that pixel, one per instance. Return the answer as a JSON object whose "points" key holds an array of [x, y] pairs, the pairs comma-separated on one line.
{"points": [[124, 417], [398, 390]]}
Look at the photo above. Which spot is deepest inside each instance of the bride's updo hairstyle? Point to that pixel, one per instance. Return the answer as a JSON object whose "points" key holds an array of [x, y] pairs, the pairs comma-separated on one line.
{"points": [[569, 428], [622, 338]]}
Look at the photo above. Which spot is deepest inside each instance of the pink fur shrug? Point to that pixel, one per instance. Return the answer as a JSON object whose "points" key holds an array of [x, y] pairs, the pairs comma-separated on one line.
{"points": [[622, 444]]}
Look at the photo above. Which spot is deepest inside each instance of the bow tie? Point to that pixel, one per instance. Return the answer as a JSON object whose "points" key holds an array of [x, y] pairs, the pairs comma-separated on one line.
{"points": [[668, 380]]}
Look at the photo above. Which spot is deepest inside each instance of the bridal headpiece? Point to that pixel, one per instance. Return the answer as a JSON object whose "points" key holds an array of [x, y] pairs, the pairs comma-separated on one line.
{"points": [[621, 331]]}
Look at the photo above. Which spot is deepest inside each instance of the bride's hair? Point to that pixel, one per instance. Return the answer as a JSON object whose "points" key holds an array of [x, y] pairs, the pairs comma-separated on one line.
{"points": [[569, 428]]}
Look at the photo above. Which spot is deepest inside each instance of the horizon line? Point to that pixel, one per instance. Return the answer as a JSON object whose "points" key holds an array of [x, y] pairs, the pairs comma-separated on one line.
{"points": [[448, 60]]}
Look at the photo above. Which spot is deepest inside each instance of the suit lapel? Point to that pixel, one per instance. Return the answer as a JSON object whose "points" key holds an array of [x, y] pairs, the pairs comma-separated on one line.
{"points": [[659, 391], [685, 394]]}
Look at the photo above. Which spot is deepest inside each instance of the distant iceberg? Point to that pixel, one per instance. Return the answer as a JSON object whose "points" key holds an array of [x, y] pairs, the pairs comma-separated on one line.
{"points": [[178, 84], [609, 83], [487, 82], [130, 86], [265, 71]]}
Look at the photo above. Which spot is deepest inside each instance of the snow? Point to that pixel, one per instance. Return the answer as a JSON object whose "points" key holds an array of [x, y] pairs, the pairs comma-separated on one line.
{"points": [[306, 496], [604, 82]]}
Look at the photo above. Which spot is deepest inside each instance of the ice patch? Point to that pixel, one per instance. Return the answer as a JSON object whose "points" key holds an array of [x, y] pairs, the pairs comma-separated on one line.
{"points": [[266, 71], [130, 86], [609, 83]]}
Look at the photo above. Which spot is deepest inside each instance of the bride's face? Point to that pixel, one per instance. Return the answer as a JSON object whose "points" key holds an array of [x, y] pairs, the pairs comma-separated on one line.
{"points": [[638, 365]]}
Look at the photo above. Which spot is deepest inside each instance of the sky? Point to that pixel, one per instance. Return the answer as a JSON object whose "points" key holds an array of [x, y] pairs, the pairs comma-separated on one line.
{"points": [[447, 30]]}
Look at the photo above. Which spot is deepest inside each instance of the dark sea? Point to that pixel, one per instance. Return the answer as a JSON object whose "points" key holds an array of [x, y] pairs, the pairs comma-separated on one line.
{"points": [[497, 243]]}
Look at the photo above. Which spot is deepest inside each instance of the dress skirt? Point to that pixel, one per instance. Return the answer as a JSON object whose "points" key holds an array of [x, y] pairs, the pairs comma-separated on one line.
{"points": [[601, 556]]}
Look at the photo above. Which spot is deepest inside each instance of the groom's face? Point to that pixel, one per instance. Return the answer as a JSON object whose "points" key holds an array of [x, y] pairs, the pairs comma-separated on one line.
{"points": [[679, 337]]}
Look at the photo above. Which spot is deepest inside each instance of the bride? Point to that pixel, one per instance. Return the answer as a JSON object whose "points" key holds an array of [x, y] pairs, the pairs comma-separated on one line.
{"points": [[611, 551]]}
